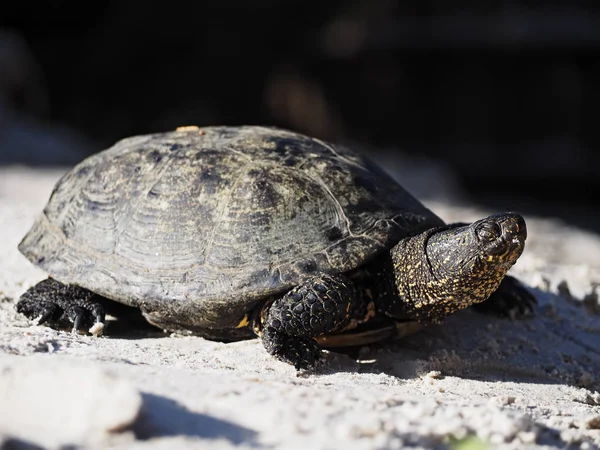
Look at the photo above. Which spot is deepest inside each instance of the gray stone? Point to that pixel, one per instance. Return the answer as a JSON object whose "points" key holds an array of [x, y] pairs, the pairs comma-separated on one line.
{"points": [[61, 403]]}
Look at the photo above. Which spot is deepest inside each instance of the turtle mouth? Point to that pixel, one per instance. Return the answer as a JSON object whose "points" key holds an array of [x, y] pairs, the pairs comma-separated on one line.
{"points": [[514, 249], [507, 252]]}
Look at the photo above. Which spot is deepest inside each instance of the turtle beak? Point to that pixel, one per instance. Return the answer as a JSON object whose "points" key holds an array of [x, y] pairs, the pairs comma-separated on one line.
{"points": [[514, 226], [514, 234], [514, 230]]}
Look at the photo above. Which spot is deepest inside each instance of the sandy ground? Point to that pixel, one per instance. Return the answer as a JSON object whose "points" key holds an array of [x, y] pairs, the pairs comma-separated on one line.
{"points": [[476, 382]]}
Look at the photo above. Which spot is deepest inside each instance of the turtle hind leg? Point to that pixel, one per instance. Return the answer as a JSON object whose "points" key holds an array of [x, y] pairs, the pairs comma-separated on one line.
{"points": [[319, 306], [62, 306], [511, 299]]}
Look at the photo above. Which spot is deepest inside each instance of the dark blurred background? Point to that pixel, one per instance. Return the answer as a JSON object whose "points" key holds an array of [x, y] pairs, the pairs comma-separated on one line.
{"points": [[503, 93]]}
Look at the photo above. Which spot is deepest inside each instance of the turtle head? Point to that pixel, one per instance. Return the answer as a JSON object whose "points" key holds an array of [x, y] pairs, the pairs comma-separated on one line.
{"points": [[490, 245], [456, 266]]}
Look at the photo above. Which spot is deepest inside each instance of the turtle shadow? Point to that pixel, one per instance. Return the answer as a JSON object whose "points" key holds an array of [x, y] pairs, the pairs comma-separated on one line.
{"points": [[164, 417], [127, 322], [133, 330], [557, 345], [14, 443]]}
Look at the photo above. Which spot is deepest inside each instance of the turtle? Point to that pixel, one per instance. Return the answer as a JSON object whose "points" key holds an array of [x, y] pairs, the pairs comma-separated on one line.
{"points": [[235, 232]]}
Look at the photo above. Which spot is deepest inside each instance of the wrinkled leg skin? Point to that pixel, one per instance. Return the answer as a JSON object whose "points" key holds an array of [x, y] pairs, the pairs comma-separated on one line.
{"points": [[511, 299], [61, 306], [321, 305]]}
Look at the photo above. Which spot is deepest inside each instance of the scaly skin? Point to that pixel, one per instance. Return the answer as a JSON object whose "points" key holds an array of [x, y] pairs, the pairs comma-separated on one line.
{"points": [[425, 278], [321, 305], [444, 270]]}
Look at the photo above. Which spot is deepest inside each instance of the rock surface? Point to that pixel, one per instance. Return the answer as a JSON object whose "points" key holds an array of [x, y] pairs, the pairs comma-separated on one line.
{"points": [[476, 380], [54, 404]]}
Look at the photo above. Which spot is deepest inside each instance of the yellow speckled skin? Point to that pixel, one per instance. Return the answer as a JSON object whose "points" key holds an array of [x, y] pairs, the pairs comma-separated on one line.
{"points": [[443, 270]]}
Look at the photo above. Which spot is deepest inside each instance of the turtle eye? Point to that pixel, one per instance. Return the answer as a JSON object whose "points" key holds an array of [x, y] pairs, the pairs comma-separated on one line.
{"points": [[488, 231]]}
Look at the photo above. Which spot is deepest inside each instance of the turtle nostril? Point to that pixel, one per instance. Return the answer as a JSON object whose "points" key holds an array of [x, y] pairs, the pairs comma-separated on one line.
{"points": [[518, 229], [515, 227]]}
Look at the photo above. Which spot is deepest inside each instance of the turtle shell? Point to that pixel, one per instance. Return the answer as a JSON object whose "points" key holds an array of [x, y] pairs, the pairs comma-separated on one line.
{"points": [[196, 227]]}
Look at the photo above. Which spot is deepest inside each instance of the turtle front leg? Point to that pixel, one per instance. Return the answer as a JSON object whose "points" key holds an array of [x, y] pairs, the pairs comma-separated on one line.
{"points": [[62, 306], [319, 306]]}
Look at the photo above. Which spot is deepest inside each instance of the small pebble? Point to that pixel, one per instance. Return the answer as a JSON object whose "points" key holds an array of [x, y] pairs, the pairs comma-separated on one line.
{"points": [[586, 380], [503, 400], [593, 423], [434, 374]]}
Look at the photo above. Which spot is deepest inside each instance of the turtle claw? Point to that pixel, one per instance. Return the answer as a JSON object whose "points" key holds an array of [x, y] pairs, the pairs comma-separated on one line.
{"points": [[305, 356], [88, 318], [302, 353], [97, 329], [61, 306], [47, 312], [512, 300], [76, 314]]}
